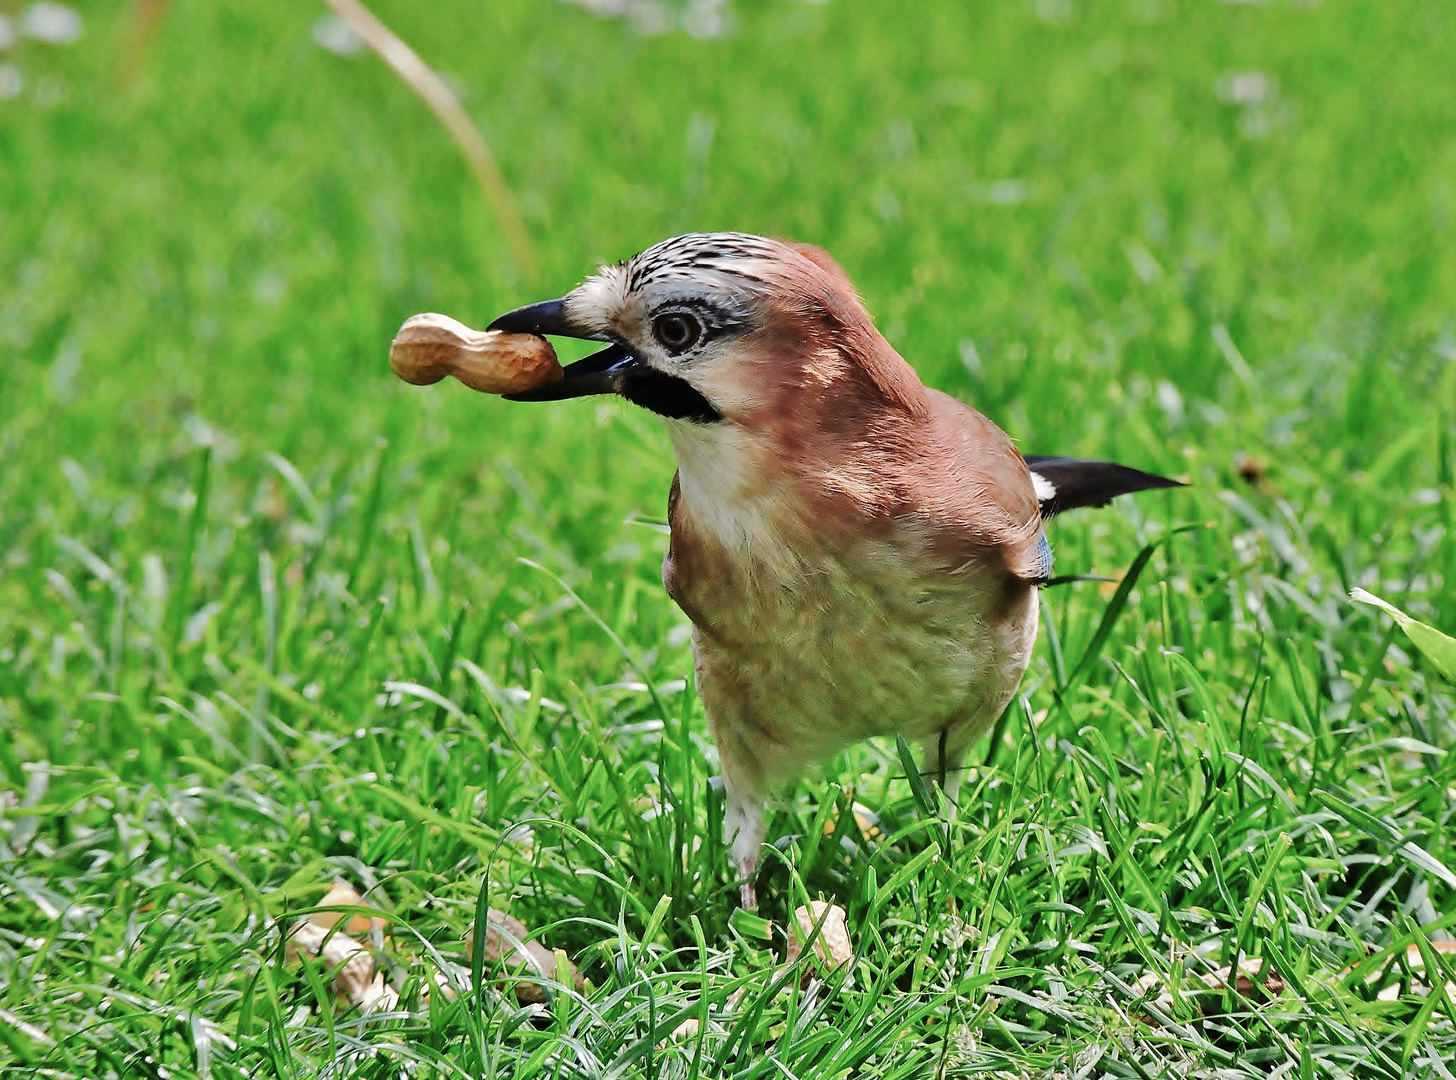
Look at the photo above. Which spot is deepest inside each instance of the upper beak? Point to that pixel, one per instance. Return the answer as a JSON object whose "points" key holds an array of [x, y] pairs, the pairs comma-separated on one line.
{"points": [[600, 373]]}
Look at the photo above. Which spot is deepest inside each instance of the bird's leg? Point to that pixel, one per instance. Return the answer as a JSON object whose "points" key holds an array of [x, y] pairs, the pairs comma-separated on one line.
{"points": [[744, 788], [743, 828]]}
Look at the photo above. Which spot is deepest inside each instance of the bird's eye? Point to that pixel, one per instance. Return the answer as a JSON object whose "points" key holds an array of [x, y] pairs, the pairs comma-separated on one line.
{"points": [[678, 332]]}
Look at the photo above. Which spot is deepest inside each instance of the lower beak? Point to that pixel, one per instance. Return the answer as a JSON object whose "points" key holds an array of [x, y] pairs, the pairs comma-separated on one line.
{"points": [[602, 372]]}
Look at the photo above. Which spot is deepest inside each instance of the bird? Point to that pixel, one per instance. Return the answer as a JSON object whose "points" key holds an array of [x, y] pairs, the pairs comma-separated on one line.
{"points": [[858, 554]]}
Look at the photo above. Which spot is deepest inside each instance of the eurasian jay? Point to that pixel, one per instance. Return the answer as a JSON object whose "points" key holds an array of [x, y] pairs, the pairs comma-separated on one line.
{"points": [[859, 554]]}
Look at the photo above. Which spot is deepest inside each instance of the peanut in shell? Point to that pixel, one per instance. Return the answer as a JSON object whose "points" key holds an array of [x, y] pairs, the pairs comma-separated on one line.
{"points": [[430, 346]]}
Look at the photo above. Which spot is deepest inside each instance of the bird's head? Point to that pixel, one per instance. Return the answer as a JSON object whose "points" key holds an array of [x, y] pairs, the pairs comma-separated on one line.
{"points": [[792, 419], [724, 329]]}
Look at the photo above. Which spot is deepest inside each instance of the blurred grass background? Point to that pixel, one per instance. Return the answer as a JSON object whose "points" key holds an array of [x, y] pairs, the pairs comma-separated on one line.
{"points": [[1203, 238], [228, 220]]}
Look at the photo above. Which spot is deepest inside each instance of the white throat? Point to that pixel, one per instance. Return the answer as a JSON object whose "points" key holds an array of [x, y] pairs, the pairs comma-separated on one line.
{"points": [[726, 492]]}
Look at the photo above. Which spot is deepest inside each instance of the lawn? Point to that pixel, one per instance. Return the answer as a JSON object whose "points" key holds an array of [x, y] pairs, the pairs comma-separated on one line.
{"points": [[271, 620]]}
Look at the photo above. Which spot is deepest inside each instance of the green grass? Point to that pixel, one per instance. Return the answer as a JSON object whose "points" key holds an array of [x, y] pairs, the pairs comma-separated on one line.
{"points": [[269, 618]]}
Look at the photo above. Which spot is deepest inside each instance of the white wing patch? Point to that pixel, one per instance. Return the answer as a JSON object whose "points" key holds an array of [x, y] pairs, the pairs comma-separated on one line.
{"points": [[1044, 488]]}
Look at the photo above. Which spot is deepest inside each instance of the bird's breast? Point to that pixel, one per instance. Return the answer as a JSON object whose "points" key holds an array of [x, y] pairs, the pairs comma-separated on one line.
{"points": [[822, 634]]}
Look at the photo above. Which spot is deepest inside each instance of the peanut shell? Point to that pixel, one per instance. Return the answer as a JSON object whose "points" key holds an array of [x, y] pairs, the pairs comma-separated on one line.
{"points": [[430, 346], [832, 946]]}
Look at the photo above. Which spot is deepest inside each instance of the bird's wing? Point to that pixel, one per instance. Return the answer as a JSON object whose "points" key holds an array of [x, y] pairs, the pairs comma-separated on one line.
{"points": [[1064, 483], [982, 494]]}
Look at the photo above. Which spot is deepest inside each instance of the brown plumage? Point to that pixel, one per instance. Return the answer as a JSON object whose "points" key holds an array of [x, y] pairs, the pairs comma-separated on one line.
{"points": [[858, 554]]}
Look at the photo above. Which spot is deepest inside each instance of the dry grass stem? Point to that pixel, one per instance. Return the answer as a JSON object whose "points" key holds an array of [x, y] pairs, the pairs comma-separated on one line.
{"points": [[443, 103]]}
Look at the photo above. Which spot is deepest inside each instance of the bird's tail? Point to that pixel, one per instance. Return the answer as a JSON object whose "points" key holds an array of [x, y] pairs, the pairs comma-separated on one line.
{"points": [[1064, 483]]}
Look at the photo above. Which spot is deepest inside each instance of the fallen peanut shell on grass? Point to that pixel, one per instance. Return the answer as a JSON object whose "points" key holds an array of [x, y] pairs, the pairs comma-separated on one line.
{"points": [[1254, 982], [831, 946], [505, 941], [341, 895], [350, 964], [428, 347]]}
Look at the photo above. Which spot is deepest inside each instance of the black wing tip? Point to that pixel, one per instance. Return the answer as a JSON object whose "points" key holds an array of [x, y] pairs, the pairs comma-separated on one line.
{"points": [[1077, 483], [1154, 482]]}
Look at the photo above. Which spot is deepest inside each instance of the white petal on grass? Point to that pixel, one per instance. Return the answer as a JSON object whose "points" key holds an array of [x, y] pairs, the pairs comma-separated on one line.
{"points": [[1246, 87], [867, 820], [8, 35], [971, 358], [1416, 962], [707, 19], [1170, 401], [65, 368], [333, 34], [1053, 11], [607, 9], [702, 19], [55, 24], [12, 82], [649, 17], [1001, 192]]}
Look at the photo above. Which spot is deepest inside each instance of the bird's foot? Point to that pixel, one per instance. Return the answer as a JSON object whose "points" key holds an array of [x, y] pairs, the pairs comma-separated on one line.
{"points": [[744, 826]]}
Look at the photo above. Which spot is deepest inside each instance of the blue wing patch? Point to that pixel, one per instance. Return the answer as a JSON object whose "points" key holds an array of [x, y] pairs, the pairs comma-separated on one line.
{"points": [[1043, 559]]}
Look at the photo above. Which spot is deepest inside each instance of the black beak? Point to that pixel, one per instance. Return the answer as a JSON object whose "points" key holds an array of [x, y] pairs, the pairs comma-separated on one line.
{"points": [[613, 370], [547, 318]]}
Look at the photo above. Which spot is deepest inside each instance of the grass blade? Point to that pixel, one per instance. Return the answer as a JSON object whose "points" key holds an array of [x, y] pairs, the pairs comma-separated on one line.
{"points": [[1119, 600], [912, 774], [178, 615], [1439, 649]]}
